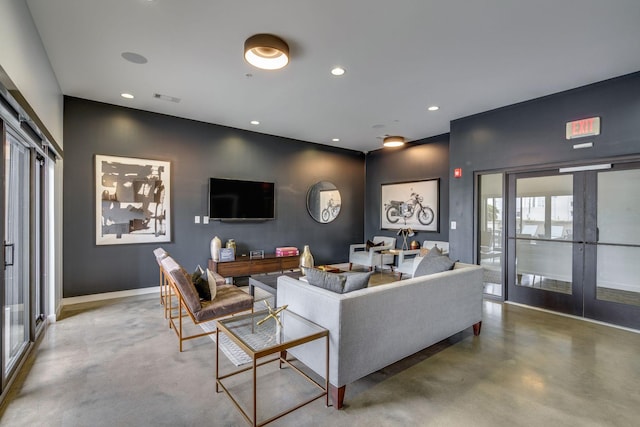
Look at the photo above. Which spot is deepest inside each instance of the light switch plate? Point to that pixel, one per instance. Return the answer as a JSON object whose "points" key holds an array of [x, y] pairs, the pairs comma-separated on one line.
{"points": [[205, 219], [197, 220], [453, 225]]}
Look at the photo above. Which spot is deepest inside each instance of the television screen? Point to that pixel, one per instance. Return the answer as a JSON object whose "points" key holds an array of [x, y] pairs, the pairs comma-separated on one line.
{"points": [[236, 199]]}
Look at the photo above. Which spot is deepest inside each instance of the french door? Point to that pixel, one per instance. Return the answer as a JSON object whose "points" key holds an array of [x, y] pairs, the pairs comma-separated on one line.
{"points": [[15, 295], [573, 241]]}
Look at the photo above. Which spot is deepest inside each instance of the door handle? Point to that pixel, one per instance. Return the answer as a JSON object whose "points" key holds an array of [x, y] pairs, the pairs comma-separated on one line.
{"points": [[12, 246]]}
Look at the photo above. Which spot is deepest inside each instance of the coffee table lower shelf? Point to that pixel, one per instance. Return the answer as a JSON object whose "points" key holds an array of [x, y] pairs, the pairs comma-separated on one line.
{"points": [[243, 330]]}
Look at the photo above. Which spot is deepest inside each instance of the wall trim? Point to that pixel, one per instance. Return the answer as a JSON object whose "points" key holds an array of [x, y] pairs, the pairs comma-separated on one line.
{"points": [[110, 295], [597, 322]]}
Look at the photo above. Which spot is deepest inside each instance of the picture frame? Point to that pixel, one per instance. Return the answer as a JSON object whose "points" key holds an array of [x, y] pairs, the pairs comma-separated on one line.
{"points": [[133, 200], [414, 204]]}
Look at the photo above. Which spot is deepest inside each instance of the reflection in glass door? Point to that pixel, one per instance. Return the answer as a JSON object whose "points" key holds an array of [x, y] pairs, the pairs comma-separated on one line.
{"points": [[15, 310], [490, 213]]}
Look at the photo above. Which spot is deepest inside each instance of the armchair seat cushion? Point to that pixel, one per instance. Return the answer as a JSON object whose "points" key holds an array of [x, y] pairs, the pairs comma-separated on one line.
{"points": [[229, 299]]}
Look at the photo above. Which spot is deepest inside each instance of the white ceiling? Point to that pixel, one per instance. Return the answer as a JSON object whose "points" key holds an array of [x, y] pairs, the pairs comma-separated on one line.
{"points": [[466, 56]]}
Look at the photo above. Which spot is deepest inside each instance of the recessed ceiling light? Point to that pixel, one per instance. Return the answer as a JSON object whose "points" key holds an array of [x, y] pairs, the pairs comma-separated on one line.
{"points": [[336, 139], [433, 108], [126, 95], [255, 122], [338, 71]]}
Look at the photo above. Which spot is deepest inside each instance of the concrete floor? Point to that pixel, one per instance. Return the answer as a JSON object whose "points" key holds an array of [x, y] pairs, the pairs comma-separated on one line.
{"points": [[115, 363]]}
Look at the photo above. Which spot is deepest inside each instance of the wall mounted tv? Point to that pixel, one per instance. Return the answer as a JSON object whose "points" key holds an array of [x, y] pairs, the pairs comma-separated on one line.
{"points": [[237, 200]]}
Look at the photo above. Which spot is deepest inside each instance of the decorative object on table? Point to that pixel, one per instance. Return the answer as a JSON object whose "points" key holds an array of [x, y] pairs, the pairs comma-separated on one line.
{"points": [[216, 244], [411, 204], [132, 200], [306, 259], [227, 254], [287, 251], [323, 201], [272, 314], [415, 245], [256, 254], [405, 232], [231, 244]]}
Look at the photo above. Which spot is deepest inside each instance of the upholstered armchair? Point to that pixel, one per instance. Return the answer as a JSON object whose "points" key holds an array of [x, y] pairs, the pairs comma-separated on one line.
{"points": [[406, 262], [371, 256]]}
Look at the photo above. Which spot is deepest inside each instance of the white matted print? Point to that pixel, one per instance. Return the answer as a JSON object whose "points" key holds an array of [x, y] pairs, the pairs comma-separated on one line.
{"points": [[410, 205], [132, 200]]}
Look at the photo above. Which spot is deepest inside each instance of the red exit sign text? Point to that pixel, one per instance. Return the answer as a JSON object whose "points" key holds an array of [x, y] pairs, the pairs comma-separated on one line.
{"points": [[584, 127]]}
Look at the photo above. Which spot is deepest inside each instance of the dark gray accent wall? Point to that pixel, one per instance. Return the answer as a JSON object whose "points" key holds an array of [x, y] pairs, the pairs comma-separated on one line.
{"points": [[197, 151], [421, 160], [531, 135]]}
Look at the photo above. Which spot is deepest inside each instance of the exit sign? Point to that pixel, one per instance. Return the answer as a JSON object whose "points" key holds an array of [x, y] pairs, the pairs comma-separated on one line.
{"points": [[584, 127]]}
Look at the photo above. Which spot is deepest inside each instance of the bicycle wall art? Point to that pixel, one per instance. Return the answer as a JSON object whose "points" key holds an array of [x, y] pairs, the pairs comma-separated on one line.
{"points": [[412, 205], [132, 200]]}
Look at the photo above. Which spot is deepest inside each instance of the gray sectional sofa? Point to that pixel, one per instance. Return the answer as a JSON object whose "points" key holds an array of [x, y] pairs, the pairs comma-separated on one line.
{"points": [[377, 326]]}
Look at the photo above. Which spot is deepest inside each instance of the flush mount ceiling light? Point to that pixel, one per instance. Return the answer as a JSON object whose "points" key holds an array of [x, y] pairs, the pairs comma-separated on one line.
{"points": [[393, 141], [266, 51]]}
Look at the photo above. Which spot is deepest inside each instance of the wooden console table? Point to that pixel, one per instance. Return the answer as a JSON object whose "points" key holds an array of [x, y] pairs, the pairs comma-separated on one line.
{"points": [[244, 266]]}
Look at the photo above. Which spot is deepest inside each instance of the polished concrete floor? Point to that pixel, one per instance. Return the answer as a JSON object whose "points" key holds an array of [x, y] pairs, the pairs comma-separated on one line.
{"points": [[115, 363]]}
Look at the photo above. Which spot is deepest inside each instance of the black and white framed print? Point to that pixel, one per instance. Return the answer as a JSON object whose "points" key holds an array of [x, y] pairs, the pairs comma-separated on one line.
{"points": [[410, 205]]}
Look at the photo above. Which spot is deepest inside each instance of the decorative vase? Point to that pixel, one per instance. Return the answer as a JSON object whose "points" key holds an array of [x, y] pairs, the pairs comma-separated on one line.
{"points": [[415, 245], [306, 259], [231, 244], [216, 244]]}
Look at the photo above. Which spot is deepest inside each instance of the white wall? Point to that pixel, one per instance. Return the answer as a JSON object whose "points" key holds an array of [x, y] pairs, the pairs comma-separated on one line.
{"points": [[23, 58]]}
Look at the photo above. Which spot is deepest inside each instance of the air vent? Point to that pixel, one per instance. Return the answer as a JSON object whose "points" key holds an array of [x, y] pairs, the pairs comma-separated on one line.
{"points": [[166, 97]]}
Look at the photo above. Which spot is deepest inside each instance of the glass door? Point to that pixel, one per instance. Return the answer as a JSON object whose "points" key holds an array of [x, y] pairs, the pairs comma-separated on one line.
{"points": [[490, 228], [574, 241], [16, 303]]}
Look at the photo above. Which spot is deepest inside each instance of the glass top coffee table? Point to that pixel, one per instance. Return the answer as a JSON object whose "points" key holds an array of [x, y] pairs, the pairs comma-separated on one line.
{"points": [[268, 338]]}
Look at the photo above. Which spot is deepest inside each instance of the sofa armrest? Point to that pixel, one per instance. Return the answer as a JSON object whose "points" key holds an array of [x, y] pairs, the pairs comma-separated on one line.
{"points": [[404, 255], [357, 246]]}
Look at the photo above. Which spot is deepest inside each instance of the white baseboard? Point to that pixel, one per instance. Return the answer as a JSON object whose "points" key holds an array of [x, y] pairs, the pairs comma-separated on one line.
{"points": [[586, 319], [110, 295]]}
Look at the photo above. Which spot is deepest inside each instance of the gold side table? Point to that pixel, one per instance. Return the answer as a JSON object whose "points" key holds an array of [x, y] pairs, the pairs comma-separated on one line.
{"points": [[267, 339]]}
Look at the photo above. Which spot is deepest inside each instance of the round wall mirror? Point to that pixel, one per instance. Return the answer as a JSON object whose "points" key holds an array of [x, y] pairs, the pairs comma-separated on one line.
{"points": [[323, 201]]}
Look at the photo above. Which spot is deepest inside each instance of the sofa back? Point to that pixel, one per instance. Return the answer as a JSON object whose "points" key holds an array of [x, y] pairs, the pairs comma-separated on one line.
{"points": [[375, 327]]}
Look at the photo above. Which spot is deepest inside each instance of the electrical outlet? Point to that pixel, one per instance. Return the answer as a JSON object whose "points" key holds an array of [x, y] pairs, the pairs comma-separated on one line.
{"points": [[197, 220], [205, 219]]}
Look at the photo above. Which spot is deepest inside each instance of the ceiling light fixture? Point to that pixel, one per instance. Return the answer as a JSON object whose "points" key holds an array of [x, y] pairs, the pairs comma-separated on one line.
{"points": [[338, 71], [255, 122], [266, 51], [393, 141], [336, 139], [127, 95], [433, 108]]}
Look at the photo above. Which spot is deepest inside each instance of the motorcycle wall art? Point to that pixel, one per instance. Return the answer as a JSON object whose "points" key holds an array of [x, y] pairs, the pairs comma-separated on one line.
{"points": [[411, 204]]}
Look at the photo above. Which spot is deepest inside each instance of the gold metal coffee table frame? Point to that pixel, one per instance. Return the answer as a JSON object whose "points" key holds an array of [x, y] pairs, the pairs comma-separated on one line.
{"points": [[265, 340]]}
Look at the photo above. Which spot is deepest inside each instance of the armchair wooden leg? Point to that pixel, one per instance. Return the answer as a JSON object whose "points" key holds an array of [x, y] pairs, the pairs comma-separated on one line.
{"points": [[350, 265], [337, 395]]}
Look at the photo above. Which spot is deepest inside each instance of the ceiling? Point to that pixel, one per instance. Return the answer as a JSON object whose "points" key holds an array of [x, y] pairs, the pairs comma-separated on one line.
{"points": [[400, 58]]}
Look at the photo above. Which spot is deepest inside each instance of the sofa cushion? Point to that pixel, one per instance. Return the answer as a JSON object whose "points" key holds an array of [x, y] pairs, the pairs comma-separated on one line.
{"points": [[325, 280], [212, 283], [356, 281], [199, 279], [434, 264], [230, 300]]}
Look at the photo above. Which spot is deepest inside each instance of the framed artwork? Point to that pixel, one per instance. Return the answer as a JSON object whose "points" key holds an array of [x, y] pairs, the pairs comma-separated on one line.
{"points": [[412, 205], [133, 199]]}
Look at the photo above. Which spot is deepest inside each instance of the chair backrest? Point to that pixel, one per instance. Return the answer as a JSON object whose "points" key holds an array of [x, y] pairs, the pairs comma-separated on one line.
{"points": [[183, 284], [160, 254], [388, 241]]}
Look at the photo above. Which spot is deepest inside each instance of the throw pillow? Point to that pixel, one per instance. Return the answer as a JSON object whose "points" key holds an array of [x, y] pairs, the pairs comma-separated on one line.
{"points": [[424, 251], [199, 280], [212, 283], [435, 251], [434, 264], [371, 244], [356, 281], [322, 279]]}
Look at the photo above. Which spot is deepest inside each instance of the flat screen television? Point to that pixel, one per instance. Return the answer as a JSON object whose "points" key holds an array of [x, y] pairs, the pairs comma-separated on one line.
{"points": [[232, 199]]}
